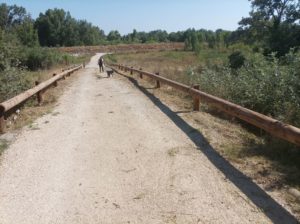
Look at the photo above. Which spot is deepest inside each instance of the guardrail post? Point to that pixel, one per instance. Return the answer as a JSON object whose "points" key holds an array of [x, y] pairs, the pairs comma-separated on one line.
{"points": [[131, 71], [55, 83], [157, 81], [2, 122], [141, 74], [39, 94], [196, 103]]}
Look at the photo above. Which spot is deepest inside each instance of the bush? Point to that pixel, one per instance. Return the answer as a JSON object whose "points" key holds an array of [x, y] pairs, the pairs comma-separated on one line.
{"points": [[236, 60], [43, 58], [13, 82], [261, 84]]}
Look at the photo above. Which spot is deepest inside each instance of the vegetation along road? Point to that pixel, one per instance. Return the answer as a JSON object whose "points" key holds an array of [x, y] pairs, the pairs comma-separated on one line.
{"points": [[111, 154]]}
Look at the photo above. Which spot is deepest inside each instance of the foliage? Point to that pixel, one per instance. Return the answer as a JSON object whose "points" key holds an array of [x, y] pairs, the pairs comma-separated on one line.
{"points": [[111, 58], [114, 35], [20, 51], [17, 21], [57, 28], [262, 84], [11, 16], [12, 81], [273, 24], [236, 60], [43, 58]]}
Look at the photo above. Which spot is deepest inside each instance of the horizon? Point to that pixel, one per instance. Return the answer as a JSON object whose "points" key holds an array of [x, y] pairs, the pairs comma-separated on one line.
{"points": [[147, 16]]}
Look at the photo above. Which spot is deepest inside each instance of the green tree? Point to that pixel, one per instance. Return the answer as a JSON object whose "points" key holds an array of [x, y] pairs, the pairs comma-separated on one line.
{"points": [[50, 27], [134, 36], [10, 16], [273, 24], [57, 28], [27, 34], [114, 35]]}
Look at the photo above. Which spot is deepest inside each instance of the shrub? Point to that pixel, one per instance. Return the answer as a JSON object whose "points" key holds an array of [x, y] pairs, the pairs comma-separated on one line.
{"points": [[13, 82], [261, 84], [43, 58], [236, 60]]}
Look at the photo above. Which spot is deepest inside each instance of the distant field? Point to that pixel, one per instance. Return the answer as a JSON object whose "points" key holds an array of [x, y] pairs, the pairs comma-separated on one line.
{"points": [[171, 64], [123, 48]]}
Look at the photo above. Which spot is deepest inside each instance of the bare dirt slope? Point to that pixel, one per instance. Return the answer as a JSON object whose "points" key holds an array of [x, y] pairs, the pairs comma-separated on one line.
{"points": [[108, 154]]}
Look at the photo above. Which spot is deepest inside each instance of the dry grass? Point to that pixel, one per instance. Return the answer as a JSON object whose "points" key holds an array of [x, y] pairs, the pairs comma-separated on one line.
{"points": [[273, 167], [124, 48], [31, 110], [169, 63]]}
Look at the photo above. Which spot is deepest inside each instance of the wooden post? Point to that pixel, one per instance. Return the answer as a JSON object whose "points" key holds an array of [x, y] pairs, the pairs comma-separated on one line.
{"points": [[196, 103], [39, 94], [55, 83], [2, 123], [157, 81], [141, 74], [131, 71]]}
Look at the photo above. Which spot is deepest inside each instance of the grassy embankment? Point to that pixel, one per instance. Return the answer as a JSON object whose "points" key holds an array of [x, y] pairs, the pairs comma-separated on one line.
{"points": [[271, 162], [16, 80]]}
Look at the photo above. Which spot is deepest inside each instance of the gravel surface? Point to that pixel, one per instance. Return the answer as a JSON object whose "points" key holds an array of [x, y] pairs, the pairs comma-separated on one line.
{"points": [[107, 154]]}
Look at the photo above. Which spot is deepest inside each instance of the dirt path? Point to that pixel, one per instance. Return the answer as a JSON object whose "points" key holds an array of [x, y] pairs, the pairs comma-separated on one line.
{"points": [[107, 154]]}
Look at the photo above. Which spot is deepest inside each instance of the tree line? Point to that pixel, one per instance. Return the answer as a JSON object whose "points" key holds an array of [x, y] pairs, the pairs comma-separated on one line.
{"points": [[272, 26], [57, 27]]}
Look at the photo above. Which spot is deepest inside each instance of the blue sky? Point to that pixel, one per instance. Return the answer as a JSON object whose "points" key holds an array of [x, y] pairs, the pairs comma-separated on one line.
{"points": [[146, 15]]}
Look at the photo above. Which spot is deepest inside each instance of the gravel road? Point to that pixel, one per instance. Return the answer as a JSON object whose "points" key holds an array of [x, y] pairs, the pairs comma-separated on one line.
{"points": [[107, 154]]}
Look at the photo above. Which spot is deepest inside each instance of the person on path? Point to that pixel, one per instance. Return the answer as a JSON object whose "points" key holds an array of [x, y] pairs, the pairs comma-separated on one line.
{"points": [[101, 64]]}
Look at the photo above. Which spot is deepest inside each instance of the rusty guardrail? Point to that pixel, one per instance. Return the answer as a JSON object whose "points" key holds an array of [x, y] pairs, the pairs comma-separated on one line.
{"points": [[39, 89], [270, 125]]}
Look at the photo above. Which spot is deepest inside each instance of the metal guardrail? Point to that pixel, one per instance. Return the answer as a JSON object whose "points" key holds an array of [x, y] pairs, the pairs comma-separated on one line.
{"points": [[39, 89], [270, 125]]}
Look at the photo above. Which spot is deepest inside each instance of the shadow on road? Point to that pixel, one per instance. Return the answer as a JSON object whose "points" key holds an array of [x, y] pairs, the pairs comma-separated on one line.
{"points": [[272, 209]]}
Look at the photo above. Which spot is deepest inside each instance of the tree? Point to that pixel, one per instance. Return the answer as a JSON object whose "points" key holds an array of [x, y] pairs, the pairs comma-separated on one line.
{"points": [[273, 23], [27, 34], [10, 16], [114, 35], [134, 36], [17, 22], [57, 28], [50, 27]]}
